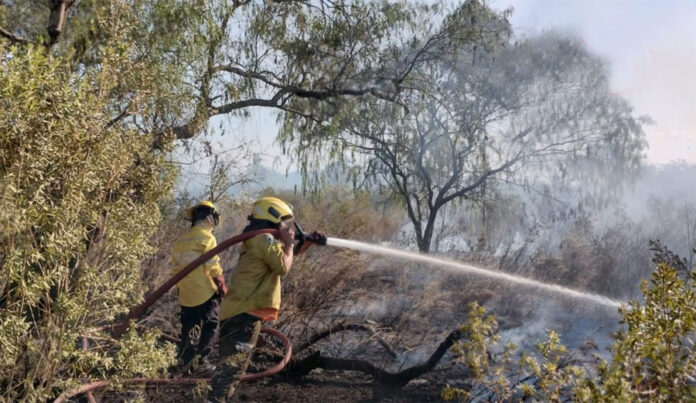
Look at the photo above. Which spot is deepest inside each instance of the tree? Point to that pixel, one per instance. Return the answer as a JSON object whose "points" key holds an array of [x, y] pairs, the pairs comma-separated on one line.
{"points": [[539, 110], [94, 93], [79, 199], [222, 57]]}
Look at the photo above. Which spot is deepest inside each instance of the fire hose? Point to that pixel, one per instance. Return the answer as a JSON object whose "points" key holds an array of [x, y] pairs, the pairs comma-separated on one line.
{"points": [[118, 329]]}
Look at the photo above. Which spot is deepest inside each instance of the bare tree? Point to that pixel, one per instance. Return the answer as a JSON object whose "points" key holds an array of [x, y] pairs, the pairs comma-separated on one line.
{"points": [[225, 174]]}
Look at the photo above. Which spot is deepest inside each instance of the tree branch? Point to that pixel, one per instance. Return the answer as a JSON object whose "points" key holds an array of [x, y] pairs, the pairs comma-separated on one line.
{"points": [[344, 327], [248, 74], [270, 103], [292, 90], [124, 114], [422, 148], [381, 376], [56, 20], [12, 37], [461, 192]]}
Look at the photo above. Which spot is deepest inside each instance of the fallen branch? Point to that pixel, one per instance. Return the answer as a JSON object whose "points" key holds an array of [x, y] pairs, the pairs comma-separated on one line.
{"points": [[399, 379], [12, 37], [343, 326]]}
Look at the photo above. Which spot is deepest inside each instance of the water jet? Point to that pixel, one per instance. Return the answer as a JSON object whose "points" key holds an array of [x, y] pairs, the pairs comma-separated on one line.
{"points": [[458, 267]]}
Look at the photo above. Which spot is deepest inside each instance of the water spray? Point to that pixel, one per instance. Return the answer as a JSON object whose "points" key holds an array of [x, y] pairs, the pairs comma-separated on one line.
{"points": [[467, 268]]}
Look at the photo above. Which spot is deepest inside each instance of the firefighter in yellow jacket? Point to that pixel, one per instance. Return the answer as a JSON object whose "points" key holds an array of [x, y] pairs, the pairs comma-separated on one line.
{"points": [[254, 292], [201, 290]]}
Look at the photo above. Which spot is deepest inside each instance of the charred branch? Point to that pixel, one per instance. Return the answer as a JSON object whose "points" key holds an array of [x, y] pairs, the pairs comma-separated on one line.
{"points": [[341, 327], [56, 19], [124, 114], [398, 379], [56, 24], [12, 37]]}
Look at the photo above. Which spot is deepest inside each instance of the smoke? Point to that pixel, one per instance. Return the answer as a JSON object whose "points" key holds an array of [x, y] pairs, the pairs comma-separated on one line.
{"points": [[577, 329], [526, 309]]}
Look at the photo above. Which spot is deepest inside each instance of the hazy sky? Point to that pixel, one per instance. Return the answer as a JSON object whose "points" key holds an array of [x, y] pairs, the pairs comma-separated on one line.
{"points": [[651, 49]]}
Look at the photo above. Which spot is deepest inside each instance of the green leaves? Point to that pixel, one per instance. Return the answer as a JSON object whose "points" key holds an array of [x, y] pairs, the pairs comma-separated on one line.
{"points": [[653, 356], [13, 333], [134, 345], [497, 376], [79, 203]]}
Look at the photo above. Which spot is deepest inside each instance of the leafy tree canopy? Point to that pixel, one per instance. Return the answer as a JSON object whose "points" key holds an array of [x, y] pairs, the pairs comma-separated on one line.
{"points": [[535, 111]]}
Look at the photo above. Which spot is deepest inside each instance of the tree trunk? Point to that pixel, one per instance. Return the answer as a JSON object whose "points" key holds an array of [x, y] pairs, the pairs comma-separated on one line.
{"points": [[427, 238], [56, 20]]}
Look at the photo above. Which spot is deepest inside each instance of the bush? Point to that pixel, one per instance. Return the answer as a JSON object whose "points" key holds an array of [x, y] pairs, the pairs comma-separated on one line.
{"points": [[79, 202], [653, 357]]}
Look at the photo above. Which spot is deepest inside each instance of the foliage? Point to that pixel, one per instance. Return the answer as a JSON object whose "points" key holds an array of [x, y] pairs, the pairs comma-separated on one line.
{"points": [[653, 357], [308, 59], [498, 112], [498, 376], [79, 203]]}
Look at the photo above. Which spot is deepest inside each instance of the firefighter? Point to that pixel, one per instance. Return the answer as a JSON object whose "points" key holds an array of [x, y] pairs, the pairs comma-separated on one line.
{"points": [[255, 291], [201, 290]]}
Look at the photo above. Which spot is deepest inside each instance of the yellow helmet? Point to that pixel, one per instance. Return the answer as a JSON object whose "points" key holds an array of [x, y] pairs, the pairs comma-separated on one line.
{"points": [[205, 203], [271, 209]]}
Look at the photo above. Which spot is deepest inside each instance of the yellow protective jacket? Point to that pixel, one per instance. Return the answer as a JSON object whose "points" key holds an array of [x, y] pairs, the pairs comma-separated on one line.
{"points": [[198, 286], [255, 282]]}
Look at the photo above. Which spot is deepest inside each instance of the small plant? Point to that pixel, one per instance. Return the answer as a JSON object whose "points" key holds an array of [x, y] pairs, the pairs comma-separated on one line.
{"points": [[653, 356], [502, 377]]}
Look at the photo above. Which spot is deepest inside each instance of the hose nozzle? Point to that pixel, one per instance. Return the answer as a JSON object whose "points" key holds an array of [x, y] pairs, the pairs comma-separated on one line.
{"points": [[315, 237]]}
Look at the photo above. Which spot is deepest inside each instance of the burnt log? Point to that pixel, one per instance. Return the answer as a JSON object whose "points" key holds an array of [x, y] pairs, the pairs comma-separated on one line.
{"points": [[394, 380]]}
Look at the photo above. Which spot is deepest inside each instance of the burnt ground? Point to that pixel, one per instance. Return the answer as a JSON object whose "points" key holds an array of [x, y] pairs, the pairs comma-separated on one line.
{"points": [[415, 309], [333, 386], [412, 309], [409, 320], [340, 386], [321, 385]]}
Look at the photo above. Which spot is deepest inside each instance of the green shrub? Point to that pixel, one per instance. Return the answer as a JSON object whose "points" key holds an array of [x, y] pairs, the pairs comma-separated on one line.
{"points": [[507, 376], [653, 356], [78, 203]]}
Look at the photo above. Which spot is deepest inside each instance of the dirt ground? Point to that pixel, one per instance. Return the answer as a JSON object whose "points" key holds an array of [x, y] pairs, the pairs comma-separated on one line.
{"points": [[318, 386]]}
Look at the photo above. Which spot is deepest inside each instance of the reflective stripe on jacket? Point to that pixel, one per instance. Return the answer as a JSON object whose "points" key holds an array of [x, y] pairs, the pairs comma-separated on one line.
{"points": [[255, 282], [198, 286]]}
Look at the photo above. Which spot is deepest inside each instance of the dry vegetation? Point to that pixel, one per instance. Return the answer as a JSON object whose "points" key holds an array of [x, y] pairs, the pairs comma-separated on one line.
{"points": [[91, 111], [381, 317]]}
